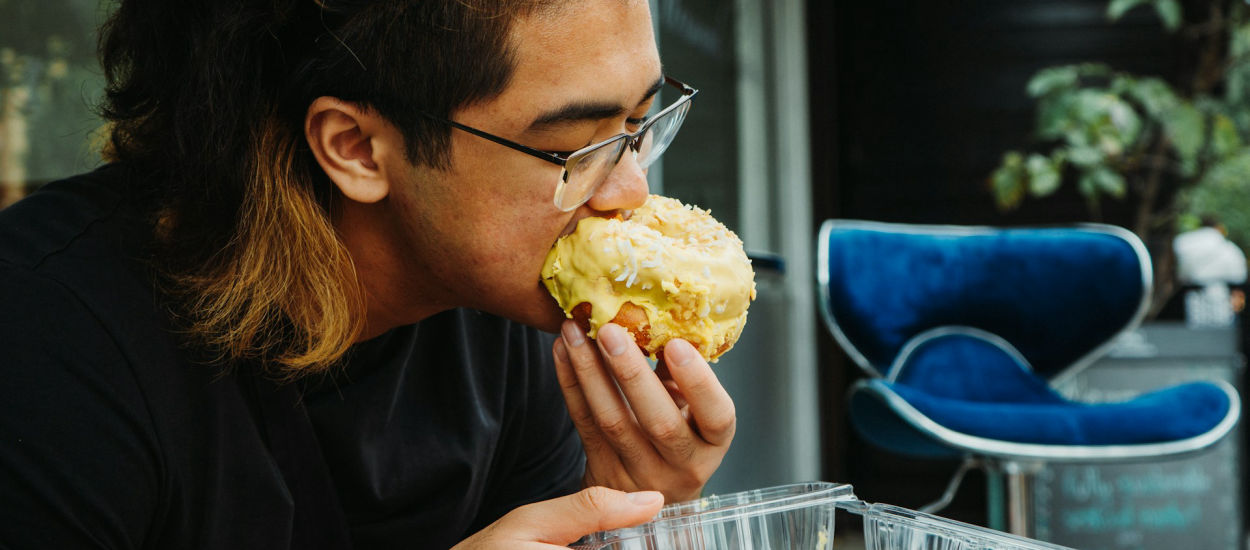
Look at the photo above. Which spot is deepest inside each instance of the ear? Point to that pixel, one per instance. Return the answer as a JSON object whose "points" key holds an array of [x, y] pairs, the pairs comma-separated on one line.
{"points": [[351, 145]]}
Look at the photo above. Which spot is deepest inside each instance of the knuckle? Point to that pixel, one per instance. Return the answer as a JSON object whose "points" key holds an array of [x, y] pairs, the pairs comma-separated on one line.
{"points": [[569, 383], [615, 426], [591, 445], [702, 382], [629, 371], [595, 498], [583, 420], [668, 430], [721, 425], [683, 450]]}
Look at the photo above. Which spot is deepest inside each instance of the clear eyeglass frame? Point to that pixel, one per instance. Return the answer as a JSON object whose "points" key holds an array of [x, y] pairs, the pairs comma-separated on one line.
{"points": [[585, 169]]}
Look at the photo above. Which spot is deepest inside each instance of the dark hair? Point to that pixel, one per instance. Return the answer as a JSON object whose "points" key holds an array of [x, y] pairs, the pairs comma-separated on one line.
{"points": [[207, 99]]}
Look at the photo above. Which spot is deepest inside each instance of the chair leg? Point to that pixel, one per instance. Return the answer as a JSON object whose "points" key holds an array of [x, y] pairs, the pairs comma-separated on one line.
{"points": [[1017, 497], [1019, 503], [951, 487]]}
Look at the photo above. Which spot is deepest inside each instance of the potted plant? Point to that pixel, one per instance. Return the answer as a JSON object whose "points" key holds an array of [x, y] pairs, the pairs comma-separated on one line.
{"points": [[1178, 153]]}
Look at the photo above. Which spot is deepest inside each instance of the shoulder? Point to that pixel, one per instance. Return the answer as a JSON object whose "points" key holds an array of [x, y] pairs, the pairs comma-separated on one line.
{"points": [[81, 454], [59, 215]]}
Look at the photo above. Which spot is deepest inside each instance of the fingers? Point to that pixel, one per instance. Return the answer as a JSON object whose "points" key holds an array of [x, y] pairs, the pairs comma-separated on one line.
{"points": [[563, 520], [674, 391], [612, 416], [710, 405], [579, 410], [659, 416]]}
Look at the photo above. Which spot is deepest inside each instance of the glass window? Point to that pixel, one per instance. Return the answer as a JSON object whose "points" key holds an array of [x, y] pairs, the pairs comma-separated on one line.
{"points": [[49, 85]]}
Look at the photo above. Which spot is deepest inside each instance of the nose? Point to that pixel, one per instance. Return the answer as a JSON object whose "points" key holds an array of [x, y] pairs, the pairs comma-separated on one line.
{"points": [[625, 189]]}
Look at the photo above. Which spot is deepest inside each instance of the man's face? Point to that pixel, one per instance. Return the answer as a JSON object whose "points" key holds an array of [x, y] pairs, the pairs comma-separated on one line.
{"points": [[481, 230]]}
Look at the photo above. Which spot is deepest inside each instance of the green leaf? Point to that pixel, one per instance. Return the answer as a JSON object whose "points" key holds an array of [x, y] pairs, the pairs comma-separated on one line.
{"points": [[1090, 105], [1097, 70], [1184, 125], [1086, 185], [1110, 145], [1118, 8], [1126, 122], [1101, 181], [1109, 182], [1153, 94], [1007, 181], [1052, 79], [1085, 157], [1187, 222], [1054, 115], [1224, 137], [1188, 167], [1170, 13], [1223, 193], [1237, 77], [1044, 176]]}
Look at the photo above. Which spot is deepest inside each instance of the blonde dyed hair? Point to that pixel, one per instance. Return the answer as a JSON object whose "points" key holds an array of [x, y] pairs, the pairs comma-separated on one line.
{"points": [[284, 289]]}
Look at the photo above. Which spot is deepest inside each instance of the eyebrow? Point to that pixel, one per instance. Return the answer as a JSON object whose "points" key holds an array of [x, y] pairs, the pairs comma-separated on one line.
{"points": [[590, 110]]}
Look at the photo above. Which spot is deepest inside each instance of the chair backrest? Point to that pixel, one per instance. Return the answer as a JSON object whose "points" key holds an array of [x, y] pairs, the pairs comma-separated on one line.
{"points": [[1059, 295]]}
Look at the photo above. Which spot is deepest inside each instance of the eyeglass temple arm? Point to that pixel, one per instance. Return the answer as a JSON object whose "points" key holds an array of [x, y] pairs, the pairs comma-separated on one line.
{"points": [[544, 155], [686, 89]]}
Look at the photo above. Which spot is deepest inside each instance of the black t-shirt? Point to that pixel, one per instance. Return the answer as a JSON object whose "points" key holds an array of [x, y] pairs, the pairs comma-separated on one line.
{"points": [[111, 437]]}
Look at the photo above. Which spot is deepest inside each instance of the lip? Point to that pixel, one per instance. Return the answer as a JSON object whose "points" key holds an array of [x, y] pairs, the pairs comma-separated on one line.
{"points": [[572, 225]]}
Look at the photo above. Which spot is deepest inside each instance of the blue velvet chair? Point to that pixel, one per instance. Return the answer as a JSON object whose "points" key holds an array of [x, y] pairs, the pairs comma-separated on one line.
{"points": [[963, 331]]}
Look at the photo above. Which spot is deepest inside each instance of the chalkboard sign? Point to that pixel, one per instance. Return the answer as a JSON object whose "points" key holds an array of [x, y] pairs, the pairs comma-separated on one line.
{"points": [[1193, 502]]}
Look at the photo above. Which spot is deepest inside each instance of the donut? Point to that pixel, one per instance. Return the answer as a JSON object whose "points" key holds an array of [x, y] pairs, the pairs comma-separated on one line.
{"points": [[668, 271]]}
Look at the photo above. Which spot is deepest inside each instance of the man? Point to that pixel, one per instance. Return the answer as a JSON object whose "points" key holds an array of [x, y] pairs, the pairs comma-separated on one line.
{"points": [[289, 315]]}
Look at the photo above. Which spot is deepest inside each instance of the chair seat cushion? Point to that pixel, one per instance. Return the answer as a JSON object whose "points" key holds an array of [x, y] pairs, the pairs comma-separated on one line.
{"points": [[970, 364], [1169, 414], [974, 383]]}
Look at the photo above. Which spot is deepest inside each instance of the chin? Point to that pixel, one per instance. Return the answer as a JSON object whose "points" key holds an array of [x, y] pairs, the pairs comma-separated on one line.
{"points": [[548, 318], [539, 310]]}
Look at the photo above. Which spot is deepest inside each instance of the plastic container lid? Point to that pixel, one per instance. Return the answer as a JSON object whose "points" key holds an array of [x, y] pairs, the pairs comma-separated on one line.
{"points": [[798, 516], [786, 516], [889, 527]]}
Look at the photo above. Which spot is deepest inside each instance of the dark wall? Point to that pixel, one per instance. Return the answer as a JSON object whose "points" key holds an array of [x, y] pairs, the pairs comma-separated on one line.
{"points": [[913, 105]]}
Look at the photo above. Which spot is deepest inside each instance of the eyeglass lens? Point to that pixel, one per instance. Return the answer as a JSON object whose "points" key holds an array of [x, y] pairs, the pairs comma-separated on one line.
{"points": [[584, 173]]}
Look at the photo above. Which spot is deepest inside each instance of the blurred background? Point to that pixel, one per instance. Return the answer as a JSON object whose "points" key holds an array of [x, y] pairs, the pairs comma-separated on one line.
{"points": [[1129, 112]]}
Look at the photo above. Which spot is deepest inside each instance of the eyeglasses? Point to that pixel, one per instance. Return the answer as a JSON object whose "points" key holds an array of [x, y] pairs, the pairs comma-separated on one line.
{"points": [[587, 168]]}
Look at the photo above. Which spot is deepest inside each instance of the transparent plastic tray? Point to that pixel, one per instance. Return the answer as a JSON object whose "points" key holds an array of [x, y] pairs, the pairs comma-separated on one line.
{"points": [[889, 527], [798, 516], [787, 516]]}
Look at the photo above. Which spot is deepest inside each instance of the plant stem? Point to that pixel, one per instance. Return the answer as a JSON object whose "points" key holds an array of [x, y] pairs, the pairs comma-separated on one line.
{"points": [[1150, 191]]}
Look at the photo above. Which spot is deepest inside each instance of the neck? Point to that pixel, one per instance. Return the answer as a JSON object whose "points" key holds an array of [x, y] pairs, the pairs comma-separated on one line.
{"points": [[396, 291]]}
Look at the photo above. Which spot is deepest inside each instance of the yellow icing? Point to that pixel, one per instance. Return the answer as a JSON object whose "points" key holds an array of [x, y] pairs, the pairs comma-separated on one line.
{"points": [[684, 268]]}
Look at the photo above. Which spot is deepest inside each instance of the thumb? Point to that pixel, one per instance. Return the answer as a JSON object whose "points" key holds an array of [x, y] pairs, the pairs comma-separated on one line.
{"points": [[564, 520]]}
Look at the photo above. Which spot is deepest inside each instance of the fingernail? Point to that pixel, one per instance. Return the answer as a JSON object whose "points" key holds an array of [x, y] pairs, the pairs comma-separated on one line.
{"points": [[679, 353], [645, 498], [573, 334], [562, 353], [613, 339]]}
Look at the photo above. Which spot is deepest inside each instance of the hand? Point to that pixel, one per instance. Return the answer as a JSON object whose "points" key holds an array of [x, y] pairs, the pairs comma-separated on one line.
{"points": [[665, 430], [557, 523]]}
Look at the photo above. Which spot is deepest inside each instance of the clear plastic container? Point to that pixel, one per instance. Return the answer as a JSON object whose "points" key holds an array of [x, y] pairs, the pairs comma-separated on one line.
{"points": [[783, 517], [799, 516], [889, 527]]}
